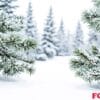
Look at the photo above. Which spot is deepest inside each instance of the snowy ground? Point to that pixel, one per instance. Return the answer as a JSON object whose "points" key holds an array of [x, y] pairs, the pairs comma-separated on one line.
{"points": [[52, 80]]}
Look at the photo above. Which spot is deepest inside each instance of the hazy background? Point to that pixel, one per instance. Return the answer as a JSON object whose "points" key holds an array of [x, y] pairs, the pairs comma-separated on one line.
{"points": [[68, 10]]}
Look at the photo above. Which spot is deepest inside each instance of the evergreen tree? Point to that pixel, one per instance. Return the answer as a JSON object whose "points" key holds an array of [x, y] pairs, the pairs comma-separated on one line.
{"points": [[9, 22], [78, 39], [63, 41], [49, 39], [86, 64], [13, 46], [31, 29]]}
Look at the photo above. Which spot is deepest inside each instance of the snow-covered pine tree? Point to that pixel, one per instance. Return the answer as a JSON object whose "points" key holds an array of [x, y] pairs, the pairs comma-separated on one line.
{"points": [[86, 64], [8, 20], [31, 29], [63, 41], [13, 46], [49, 39], [78, 40]]}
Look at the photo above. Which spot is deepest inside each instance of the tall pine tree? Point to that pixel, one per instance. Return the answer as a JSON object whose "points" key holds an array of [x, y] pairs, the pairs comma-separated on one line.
{"points": [[31, 29], [63, 41], [49, 39], [78, 38]]}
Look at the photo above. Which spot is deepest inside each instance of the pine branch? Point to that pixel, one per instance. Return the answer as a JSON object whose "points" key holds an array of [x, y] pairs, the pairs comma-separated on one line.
{"points": [[95, 51], [95, 74], [4, 51], [81, 54]]}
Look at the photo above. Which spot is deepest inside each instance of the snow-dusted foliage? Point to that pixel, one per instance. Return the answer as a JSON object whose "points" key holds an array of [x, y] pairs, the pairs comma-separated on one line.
{"points": [[14, 24], [86, 62], [12, 54], [94, 39], [9, 22], [31, 29], [8, 7], [49, 39], [92, 16], [40, 55], [78, 41], [63, 41], [13, 46]]}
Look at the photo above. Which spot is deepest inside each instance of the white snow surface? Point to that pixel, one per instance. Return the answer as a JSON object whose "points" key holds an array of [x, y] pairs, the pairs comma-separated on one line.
{"points": [[52, 80]]}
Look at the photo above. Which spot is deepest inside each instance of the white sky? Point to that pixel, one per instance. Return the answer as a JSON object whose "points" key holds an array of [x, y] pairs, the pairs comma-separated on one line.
{"points": [[69, 10]]}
